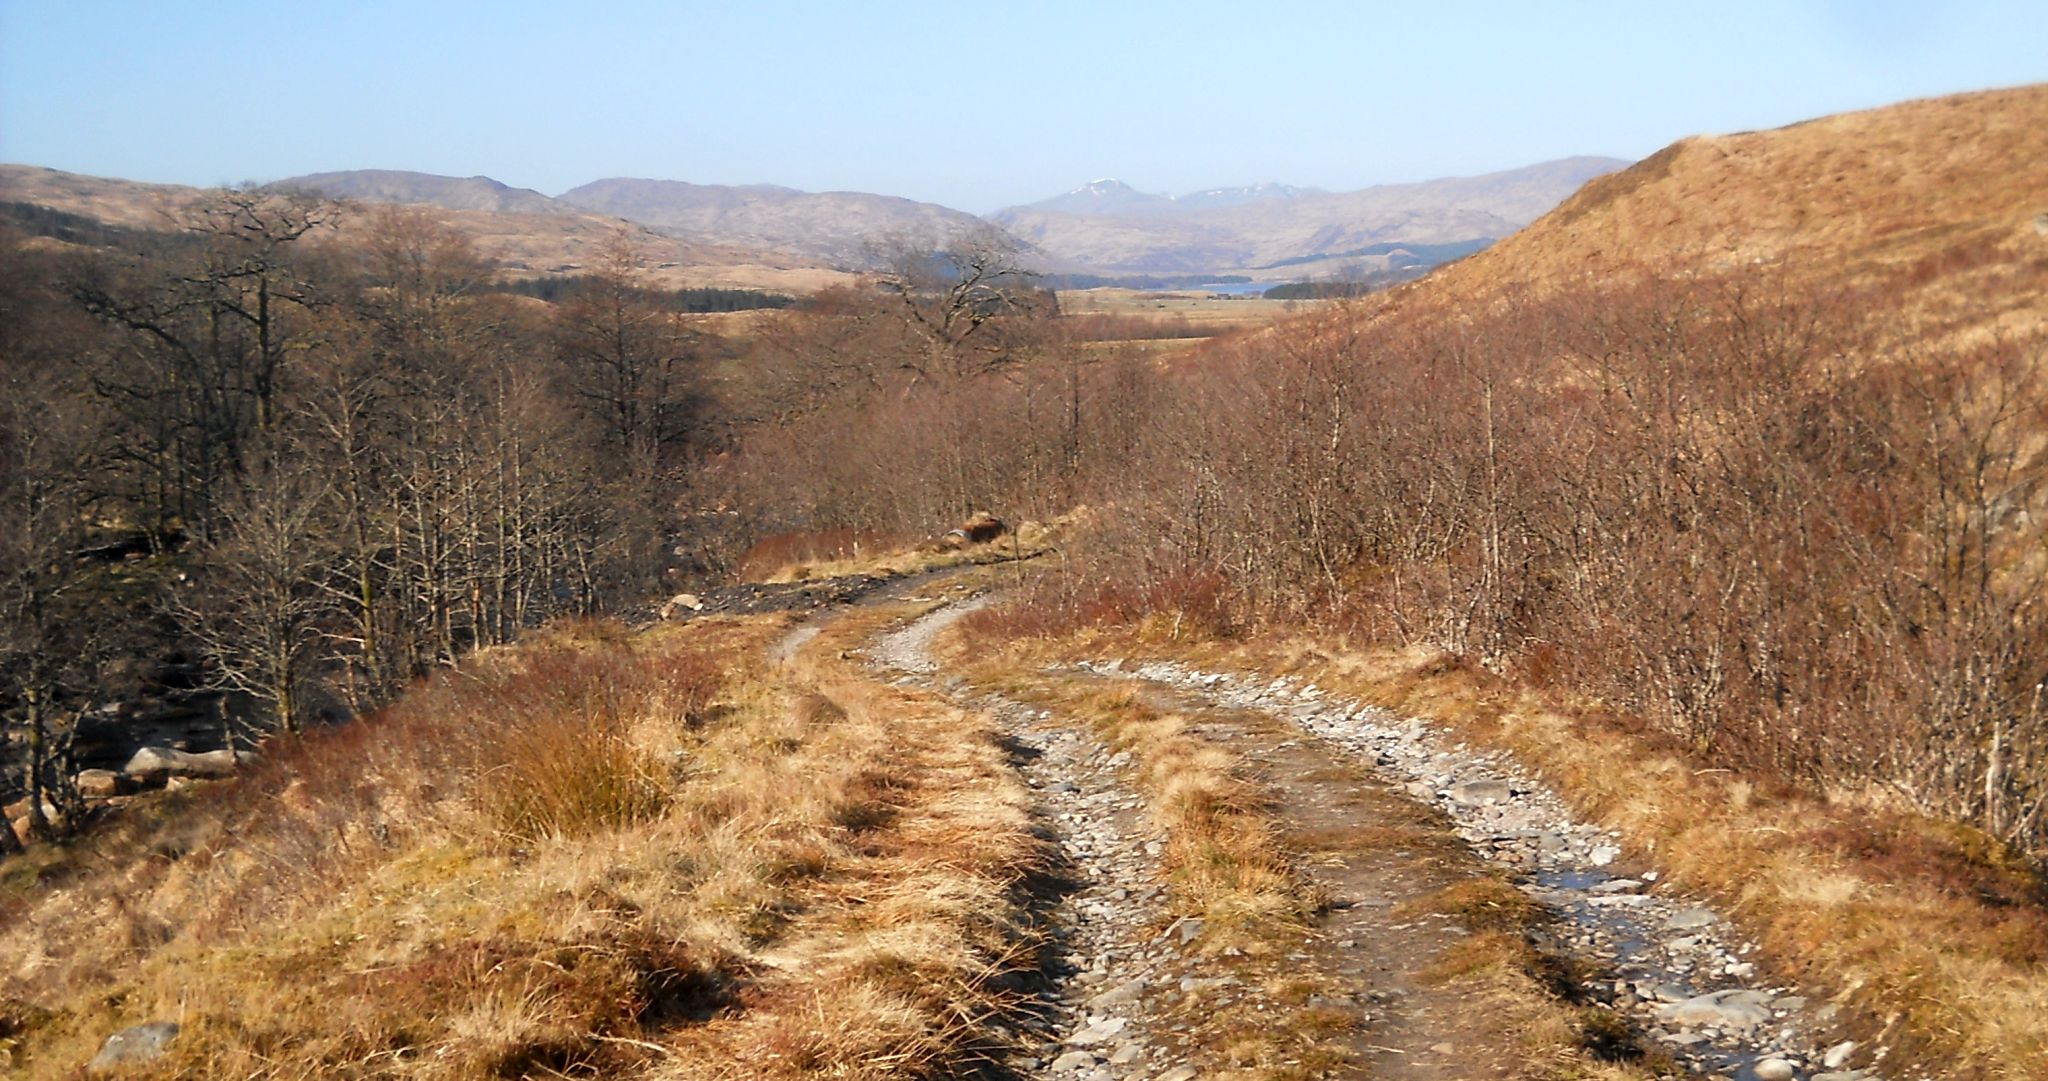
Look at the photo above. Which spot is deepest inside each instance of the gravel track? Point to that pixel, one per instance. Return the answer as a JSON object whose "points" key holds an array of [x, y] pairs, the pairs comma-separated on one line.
{"points": [[1675, 966], [1115, 966]]}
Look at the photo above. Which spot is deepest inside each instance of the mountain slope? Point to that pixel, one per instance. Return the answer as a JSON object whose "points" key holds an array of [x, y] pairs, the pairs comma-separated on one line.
{"points": [[401, 186], [838, 227], [1110, 226], [559, 240], [1843, 197]]}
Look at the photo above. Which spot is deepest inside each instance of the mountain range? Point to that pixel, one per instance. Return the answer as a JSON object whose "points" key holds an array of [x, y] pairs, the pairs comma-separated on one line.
{"points": [[1285, 230], [839, 228], [1269, 231]]}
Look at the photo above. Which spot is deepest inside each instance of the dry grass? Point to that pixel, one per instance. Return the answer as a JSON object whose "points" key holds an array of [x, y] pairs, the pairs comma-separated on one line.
{"points": [[1027, 541], [570, 858], [1203, 312]]}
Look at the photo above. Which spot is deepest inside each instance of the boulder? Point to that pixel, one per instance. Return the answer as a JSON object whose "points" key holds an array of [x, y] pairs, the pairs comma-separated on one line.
{"points": [[1098, 1033], [1737, 1010], [681, 602], [1481, 793], [1689, 919], [142, 1043], [101, 783], [153, 764], [16, 816], [979, 528], [1774, 1069]]}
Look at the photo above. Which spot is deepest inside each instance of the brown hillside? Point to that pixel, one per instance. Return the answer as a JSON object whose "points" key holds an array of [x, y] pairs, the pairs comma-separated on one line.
{"points": [[1853, 198], [522, 245]]}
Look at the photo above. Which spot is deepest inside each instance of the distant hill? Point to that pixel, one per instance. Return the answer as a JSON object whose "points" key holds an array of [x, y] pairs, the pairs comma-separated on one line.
{"points": [[400, 186], [1114, 198], [839, 228], [548, 239], [1109, 226]]}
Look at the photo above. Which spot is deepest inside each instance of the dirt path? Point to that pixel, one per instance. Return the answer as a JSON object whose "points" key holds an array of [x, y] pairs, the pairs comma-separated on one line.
{"points": [[1125, 984], [1672, 965], [1401, 832], [1383, 860], [1112, 960]]}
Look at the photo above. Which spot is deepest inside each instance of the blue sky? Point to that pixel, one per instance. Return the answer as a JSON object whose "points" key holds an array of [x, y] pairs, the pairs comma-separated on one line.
{"points": [[973, 105]]}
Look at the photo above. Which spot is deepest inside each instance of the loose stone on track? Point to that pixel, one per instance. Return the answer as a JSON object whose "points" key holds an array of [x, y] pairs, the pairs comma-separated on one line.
{"points": [[1110, 971], [1679, 969]]}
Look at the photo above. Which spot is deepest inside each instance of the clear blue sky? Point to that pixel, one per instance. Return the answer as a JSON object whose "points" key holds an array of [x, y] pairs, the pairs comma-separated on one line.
{"points": [[976, 105]]}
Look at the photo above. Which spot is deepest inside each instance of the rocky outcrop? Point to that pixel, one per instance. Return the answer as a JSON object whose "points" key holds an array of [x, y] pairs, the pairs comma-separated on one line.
{"points": [[154, 765], [130, 1046], [980, 528]]}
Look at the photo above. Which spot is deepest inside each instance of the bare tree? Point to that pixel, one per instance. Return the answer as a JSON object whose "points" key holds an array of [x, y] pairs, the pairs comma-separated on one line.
{"points": [[259, 606], [629, 358], [960, 299]]}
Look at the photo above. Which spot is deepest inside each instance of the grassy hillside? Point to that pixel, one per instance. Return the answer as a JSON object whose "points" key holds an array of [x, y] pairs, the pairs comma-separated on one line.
{"points": [[1939, 196], [634, 855]]}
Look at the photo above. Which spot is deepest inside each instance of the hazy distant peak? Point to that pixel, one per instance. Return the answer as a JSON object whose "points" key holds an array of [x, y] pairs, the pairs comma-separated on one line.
{"points": [[1107, 195], [1242, 194], [403, 186], [1108, 226], [838, 227]]}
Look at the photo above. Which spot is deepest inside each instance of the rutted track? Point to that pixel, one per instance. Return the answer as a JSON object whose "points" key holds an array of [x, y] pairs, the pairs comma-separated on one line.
{"points": [[1676, 966], [1113, 958], [1134, 996], [1121, 982]]}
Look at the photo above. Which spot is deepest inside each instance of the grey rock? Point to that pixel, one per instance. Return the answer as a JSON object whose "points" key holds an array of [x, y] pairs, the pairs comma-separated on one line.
{"points": [[1616, 885], [1740, 1010], [1838, 1055], [1687, 919], [1125, 992], [158, 763], [1774, 1069], [1098, 1033], [1073, 1060], [681, 602], [1480, 793], [1127, 1054], [1846, 1075], [1179, 1073], [142, 1043]]}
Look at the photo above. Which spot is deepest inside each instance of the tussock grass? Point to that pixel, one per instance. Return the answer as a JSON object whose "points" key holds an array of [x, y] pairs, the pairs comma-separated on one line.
{"points": [[599, 854]]}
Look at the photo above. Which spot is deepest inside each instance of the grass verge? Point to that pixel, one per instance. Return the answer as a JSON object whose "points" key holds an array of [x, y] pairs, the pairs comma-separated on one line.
{"points": [[598, 854]]}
